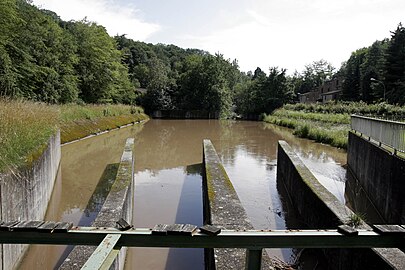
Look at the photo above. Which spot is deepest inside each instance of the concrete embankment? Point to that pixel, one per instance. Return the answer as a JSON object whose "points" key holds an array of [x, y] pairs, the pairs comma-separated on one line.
{"points": [[381, 175], [223, 209], [319, 209], [118, 204], [25, 194]]}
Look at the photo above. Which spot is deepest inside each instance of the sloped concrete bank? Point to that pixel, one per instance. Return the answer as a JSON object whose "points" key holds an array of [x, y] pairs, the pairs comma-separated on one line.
{"points": [[223, 209], [118, 204], [25, 193], [319, 209], [381, 174]]}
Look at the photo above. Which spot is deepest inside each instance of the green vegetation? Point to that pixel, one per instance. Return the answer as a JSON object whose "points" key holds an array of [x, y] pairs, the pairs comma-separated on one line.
{"points": [[380, 110], [330, 122], [25, 127], [330, 129], [355, 220]]}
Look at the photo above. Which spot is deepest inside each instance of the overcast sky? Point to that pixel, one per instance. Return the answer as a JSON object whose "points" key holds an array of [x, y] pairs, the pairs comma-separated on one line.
{"points": [[258, 33]]}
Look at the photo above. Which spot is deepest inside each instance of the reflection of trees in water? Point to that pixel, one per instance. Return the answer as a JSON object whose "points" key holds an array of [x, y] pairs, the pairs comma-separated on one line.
{"points": [[194, 169], [99, 195]]}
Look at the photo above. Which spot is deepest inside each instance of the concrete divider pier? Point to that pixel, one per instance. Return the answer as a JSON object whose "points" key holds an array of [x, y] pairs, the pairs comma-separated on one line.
{"points": [[223, 209], [118, 204], [319, 209]]}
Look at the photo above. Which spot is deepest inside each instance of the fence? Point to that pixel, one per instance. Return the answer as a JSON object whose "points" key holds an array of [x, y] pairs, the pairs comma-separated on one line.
{"points": [[390, 133], [111, 240]]}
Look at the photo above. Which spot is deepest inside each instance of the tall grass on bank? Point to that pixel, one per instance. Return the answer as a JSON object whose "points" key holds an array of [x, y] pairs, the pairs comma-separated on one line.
{"points": [[330, 129], [78, 121], [25, 127]]}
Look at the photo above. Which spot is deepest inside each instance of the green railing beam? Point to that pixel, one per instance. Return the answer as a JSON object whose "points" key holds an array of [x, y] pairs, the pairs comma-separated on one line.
{"points": [[104, 255], [226, 239]]}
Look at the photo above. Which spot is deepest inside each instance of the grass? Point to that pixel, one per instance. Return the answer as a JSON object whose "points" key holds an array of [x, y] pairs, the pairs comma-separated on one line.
{"points": [[324, 128], [78, 121], [25, 126], [329, 123]]}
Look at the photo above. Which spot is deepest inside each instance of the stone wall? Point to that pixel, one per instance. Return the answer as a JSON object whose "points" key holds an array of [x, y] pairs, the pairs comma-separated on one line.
{"points": [[118, 204], [381, 174], [25, 193], [319, 209]]}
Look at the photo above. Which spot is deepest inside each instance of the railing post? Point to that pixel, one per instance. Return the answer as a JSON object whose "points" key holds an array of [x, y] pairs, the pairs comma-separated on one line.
{"points": [[105, 254], [253, 259]]}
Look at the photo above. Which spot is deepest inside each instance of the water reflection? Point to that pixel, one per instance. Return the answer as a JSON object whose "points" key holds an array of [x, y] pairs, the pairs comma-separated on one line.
{"points": [[248, 151], [82, 166], [168, 154]]}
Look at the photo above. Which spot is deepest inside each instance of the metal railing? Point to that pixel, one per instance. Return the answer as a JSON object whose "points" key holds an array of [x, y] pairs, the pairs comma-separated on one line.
{"points": [[390, 133], [111, 240]]}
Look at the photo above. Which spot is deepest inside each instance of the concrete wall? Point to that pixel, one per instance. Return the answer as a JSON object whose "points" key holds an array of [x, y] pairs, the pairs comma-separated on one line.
{"points": [[118, 204], [25, 193], [381, 175], [223, 209], [179, 114], [318, 208]]}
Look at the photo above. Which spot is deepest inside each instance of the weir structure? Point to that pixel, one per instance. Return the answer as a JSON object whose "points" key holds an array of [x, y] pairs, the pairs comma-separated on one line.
{"points": [[222, 209]]}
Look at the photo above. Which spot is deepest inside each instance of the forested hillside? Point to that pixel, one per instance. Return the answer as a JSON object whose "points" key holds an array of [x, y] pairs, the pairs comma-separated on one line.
{"points": [[44, 58]]}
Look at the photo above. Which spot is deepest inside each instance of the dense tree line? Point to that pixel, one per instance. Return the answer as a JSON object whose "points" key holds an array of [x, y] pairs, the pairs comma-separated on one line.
{"points": [[377, 73], [46, 59]]}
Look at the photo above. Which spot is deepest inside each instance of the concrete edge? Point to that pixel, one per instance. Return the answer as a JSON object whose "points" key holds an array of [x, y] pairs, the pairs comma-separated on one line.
{"points": [[224, 209], [105, 131], [394, 257], [118, 204], [327, 198]]}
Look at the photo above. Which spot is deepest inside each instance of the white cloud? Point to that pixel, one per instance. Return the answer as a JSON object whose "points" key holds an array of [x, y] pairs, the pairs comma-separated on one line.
{"points": [[117, 19], [290, 34]]}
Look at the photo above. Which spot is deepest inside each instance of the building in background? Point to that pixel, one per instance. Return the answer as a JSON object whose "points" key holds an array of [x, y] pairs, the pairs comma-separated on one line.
{"points": [[329, 90]]}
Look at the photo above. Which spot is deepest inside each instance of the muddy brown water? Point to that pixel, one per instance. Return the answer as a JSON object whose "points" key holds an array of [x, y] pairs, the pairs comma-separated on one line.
{"points": [[168, 156]]}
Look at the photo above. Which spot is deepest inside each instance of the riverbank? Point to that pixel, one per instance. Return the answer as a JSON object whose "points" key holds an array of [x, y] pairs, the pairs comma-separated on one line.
{"points": [[329, 123], [25, 126]]}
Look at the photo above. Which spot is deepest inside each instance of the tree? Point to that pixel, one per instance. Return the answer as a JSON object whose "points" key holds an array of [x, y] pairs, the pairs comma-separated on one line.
{"points": [[373, 67], [315, 74], [203, 85], [264, 93], [102, 77], [395, 67], [42, 56], [351, 71], [8, 20]]}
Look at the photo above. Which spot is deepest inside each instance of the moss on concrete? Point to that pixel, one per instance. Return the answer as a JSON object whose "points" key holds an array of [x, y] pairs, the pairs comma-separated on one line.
{"points": [[74, 130]]}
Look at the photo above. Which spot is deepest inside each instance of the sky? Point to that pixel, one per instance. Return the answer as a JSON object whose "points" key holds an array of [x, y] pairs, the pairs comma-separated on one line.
{"points": [[258, 33]]}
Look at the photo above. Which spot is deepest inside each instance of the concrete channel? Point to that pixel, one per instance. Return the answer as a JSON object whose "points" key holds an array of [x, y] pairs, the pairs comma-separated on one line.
{"points": [[118, 204], [321, 210]]}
